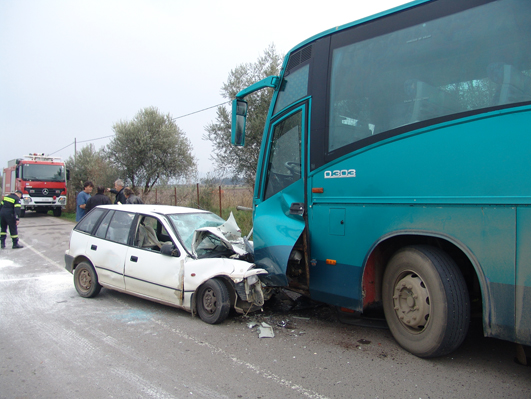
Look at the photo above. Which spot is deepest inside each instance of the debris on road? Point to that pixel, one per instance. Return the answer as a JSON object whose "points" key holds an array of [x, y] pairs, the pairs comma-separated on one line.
{"points": [[265, 331]]}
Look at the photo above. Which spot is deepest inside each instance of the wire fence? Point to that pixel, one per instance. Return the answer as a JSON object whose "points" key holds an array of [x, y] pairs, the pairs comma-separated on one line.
{"points": [[209, 197]]}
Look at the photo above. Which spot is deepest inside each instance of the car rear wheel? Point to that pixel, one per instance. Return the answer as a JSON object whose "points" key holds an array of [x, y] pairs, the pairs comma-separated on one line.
{"points": [[425, 301], [213, 304], [86, 280]]}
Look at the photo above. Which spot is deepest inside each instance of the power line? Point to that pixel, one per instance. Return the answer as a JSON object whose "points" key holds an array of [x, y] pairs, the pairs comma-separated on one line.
{"points": [[204, 109], [99, 138], [179, 117], [62, 148]]}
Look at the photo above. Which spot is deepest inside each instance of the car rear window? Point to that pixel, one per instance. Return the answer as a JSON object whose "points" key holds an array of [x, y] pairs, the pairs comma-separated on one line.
{"points": [[89, 221]]}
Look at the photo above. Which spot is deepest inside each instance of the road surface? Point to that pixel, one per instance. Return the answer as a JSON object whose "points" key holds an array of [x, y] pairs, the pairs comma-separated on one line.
{"points": [[55, 344]]}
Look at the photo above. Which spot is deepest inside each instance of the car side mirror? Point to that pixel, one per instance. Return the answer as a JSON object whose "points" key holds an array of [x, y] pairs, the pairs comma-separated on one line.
{"points": [[170, 250]]}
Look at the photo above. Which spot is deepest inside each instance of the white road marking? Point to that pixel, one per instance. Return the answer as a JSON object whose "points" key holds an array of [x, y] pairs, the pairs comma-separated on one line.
{"points": [[52, 262], [263, 373]]}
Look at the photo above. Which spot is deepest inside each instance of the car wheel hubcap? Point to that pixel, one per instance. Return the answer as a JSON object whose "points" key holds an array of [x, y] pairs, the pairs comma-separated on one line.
{"points": [[85, 280], [411, 302], [209, 301]]}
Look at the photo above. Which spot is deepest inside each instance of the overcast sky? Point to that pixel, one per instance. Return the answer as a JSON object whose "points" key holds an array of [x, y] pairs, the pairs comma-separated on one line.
{"points": [[70, 69]]}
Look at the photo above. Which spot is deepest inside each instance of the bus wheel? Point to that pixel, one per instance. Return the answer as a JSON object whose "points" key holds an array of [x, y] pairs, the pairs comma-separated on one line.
{"points": [[425, 301]]}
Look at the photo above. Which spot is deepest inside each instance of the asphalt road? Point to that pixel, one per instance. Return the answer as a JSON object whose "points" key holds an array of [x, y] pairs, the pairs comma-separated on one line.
{"points": [[55, 344]]}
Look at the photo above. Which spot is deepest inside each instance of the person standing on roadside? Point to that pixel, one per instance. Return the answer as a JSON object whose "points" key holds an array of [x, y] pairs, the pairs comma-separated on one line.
{"points": [[131, 197], [99, 199], [9, 216], [82, 198], [119, 191]]}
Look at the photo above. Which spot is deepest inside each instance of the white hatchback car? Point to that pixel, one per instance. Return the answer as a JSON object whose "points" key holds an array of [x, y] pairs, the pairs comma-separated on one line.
{"points": [[183, 257]]}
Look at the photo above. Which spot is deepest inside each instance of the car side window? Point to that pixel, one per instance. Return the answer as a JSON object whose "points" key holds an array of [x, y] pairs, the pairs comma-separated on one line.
{"points": [[89, 221], [104, 225], [120, 226], [146, 236]]}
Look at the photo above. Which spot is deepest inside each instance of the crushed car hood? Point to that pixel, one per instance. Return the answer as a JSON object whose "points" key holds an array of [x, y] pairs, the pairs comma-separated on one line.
{"points": [[226, 238]]}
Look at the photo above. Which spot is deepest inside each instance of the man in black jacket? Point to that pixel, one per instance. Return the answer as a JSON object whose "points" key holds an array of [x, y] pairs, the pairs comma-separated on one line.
{"points": [[131, 197], [99, 199], [119, 191], [9, 215]]}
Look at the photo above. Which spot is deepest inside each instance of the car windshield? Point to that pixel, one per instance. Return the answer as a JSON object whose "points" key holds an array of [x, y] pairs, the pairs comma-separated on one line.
{"points": [[187, 223]]}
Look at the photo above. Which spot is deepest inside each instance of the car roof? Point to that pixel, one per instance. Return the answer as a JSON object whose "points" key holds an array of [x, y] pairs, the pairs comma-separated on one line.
{"points": [[150, 208]]}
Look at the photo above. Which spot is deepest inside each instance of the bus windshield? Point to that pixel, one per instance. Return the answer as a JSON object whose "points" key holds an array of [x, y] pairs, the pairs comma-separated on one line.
{"points": [[40, 172], [474, 59]]}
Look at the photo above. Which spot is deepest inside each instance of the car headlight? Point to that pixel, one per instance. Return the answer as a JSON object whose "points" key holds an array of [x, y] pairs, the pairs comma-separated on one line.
{"points": [[252, 279]]}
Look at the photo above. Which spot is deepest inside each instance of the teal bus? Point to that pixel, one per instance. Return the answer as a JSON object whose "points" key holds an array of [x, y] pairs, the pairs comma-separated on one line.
{"points": [[393, 170]]}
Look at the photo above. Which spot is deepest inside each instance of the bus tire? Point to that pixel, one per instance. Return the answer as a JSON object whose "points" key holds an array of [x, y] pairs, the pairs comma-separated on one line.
{"points": [[425, 300]]}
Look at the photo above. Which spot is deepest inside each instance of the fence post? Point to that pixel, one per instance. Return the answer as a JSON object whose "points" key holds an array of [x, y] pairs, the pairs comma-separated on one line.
{"points": [[220, 215], [198, 195]]}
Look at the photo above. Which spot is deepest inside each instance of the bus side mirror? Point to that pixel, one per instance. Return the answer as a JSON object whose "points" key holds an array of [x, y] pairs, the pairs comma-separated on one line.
{"points": [[239, 118]]}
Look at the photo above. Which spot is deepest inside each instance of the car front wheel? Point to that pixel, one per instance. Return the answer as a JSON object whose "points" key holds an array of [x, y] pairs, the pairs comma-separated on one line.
{"points": [[86, 280], [213, 302]]}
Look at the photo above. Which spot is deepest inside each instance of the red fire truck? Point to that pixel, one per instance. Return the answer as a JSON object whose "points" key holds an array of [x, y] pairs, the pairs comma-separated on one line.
{"points": [[42, 180]]}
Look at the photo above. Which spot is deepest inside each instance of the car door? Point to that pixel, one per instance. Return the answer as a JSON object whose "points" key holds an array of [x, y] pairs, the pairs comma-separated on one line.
{"points": [[150, 273], [107, 248], [279, 201]]}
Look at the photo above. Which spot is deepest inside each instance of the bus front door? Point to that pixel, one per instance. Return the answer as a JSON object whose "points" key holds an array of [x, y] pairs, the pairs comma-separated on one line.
{"points": [[279, 196]]}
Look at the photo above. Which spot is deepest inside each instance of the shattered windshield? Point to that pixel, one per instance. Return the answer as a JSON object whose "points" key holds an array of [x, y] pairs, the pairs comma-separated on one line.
{"points": [[187, 223]]}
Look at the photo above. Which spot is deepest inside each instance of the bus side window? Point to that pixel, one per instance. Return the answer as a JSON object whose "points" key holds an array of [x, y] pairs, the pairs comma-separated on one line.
{"points": [[512, 85]]}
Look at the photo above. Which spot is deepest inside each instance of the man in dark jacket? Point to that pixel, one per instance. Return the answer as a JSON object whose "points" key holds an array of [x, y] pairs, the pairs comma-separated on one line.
{"points": [[99, 199], [131, 197], [9, 215], [119, 191]]}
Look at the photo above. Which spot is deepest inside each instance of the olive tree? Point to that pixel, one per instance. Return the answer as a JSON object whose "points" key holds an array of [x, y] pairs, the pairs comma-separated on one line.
{"points": [[150, 149], [242, 161], [90, 164]]}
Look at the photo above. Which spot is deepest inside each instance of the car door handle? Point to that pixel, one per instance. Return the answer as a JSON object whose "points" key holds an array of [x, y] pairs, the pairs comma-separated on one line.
{"points": [[94, 247], [134, 258]]}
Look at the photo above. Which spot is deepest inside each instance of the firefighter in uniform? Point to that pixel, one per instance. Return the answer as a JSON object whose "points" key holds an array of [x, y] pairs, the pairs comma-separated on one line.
{"points": [[9, 215]]}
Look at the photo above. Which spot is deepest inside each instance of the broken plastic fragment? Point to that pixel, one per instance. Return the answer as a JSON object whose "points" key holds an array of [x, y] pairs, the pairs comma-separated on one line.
{"points": [[265, 331]]}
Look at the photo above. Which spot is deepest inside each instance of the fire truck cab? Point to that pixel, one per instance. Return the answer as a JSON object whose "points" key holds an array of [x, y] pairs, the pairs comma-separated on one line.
{"points": [[42, 180]]}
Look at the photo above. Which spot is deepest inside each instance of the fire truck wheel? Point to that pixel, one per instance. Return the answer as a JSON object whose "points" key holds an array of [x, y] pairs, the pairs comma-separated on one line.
{"points": [[425, 300], [57, 212], [22, 213]]}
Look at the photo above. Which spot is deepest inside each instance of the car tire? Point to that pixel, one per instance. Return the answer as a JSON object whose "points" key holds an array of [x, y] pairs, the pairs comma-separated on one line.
{"points": [[425, 300], [213, 303], [86, 280]]}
